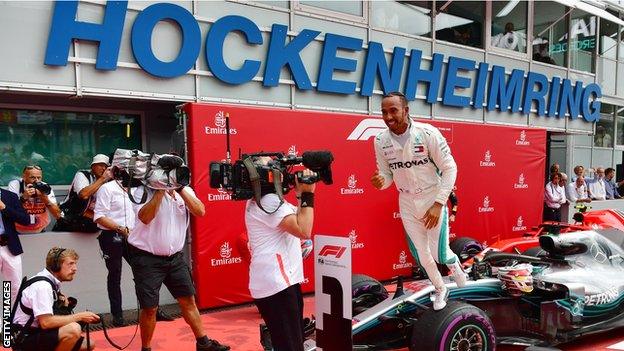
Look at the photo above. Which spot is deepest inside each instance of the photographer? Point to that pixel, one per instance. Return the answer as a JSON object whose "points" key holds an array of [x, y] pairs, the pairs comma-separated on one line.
{"points": [[155, 251], [37, 319], [80, 202], [276, 269], [37, 199]]}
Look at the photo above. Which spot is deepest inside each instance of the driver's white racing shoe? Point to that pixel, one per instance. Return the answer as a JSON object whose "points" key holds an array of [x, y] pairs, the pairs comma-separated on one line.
{"points": [[439, 298], [458, 274]]}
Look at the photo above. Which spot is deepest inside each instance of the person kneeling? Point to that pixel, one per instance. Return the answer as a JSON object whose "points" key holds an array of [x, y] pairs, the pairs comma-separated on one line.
{"points": [[38, 327]]}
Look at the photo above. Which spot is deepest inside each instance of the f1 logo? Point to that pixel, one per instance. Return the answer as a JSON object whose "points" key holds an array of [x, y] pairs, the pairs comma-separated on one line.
{"points": [[367, 129], [332, 250]]}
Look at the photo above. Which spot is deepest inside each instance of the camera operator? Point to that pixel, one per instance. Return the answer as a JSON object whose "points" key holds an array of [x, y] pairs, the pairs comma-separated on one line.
{"points": [[80, 202], [40, 328], [37, 199], [276, 269], [155, 252]]}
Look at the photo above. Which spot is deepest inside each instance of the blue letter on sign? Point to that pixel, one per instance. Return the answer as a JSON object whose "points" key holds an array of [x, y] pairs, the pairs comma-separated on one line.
{"points": [[479, 92], [593, 114], [330, 62], [569, 101], [416, 75], [280, 55], [142, 40], [376, 63], [214, 49], [531, 95], [502, 94], [65, 28], [453, 81]]}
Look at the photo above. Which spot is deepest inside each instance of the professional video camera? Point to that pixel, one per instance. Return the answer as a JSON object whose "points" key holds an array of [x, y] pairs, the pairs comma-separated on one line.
{"points": [[271, 171], [161, 172], [258, 174]]}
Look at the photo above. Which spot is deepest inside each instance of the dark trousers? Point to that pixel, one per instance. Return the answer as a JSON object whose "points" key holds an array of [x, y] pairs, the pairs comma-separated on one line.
{"points": [[113, 251], [552, 214], [283, 315]]}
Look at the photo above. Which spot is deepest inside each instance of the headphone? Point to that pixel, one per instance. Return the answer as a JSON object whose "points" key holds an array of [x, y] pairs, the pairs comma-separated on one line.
{"points": [[56, 262]]}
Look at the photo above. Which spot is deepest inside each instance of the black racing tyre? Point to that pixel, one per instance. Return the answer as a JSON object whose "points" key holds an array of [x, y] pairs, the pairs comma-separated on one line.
{"points": [[366, 292], [459, 326], [465, 248], [535, 252]]}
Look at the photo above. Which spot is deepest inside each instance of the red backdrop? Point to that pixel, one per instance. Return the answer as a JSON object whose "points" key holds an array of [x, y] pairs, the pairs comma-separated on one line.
{"points": [[499, 187]]}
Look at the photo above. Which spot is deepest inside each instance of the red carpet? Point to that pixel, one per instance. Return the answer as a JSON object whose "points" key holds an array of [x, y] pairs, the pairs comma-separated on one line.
{"points": [[238, 328]]}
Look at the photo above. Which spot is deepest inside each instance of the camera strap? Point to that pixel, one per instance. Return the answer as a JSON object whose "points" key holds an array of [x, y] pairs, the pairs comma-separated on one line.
{"points": [[254, 177], [131, 167]]}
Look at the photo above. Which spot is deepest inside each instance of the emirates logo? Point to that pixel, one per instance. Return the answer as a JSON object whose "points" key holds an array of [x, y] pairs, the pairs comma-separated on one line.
{"points": [[520, 184], [487, 160], [402, 257], [486, 205], [225, 251], [522, 139], [519, 227], [352, 182], [353, 236], [220, 119], [292, 150]]}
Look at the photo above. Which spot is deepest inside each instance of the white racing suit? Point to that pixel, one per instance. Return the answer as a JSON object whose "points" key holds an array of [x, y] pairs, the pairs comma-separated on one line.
{"points": [[424, 172]]}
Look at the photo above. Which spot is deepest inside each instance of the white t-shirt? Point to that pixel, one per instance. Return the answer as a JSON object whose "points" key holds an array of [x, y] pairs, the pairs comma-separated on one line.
{"points": [[598, 190], [166, 233], [113, 202], [39, 297], [80, 182], [276, 261]]}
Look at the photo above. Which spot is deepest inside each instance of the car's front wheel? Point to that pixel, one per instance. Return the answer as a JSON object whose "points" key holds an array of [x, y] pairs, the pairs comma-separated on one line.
{"points": [[459, 326]]}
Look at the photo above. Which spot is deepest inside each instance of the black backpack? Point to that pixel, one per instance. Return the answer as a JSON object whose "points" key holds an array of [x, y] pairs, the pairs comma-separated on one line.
{"points": [[73, 209]]}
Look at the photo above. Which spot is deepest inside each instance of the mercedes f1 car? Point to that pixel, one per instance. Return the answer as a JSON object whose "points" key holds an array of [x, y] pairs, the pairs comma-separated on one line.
{"points": [[575, 289]]}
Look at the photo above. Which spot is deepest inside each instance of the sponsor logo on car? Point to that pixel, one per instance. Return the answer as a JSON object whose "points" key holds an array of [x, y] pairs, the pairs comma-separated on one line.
{"points": [[602, 298], [522, 139], [219, 125], [351, 188], [487, 160], [225, 251], [486, 205], [354, 243], [521, 184]]}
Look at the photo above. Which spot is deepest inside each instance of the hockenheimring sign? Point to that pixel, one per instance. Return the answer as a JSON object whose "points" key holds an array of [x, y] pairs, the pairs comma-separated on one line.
{"points": [[518, 92]]}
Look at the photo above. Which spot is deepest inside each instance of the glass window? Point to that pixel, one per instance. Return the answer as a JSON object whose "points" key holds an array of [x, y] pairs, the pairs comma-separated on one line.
{"points": [[550, 40], [509, 25], [412, 18], [61, 142], [460, 22], [608, 39], [276, 3], [603, 137], [620, 126], [583, 43], [354, 8]]}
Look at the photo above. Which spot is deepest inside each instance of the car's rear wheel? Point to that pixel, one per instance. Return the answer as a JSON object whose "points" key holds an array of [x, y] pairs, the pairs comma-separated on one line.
{"points": [[465, 248], [458, 327], [366, 292]]}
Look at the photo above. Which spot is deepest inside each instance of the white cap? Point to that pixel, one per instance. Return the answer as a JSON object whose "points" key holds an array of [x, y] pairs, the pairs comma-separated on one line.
{"points": [[100, 158]]}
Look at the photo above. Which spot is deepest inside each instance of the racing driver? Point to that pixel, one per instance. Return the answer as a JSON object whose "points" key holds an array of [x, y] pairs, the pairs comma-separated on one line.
{"points": [[418, 159]]}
